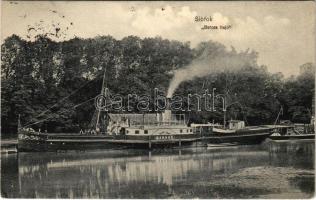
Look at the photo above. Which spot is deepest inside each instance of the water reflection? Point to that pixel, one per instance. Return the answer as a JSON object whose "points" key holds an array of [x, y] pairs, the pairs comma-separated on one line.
{"points": [[185, 173], [299, 154]]}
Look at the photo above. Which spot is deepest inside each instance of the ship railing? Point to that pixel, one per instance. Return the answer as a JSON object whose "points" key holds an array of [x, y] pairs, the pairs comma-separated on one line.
{"points": [[152, 137], [169, 123], [26, 134]]}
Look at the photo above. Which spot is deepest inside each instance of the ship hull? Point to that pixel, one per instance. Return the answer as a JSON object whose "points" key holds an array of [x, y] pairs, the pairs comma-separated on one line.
{"points": [[241, 139], [57, 142], [253, 136], [63, 142], [293, 137], [53, 146]]}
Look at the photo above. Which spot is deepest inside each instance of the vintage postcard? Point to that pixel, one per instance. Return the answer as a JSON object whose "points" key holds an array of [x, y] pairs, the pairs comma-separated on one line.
{"points": [[158, 99]]}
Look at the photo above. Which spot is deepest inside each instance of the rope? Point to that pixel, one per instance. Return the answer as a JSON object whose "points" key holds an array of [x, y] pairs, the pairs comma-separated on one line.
{"points": [[48, 109], [59, 113], [276, 120]]}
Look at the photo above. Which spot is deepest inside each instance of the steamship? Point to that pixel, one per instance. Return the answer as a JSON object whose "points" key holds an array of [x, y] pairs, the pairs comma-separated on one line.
{"points": [[116, 131], [123, 131], [151, 130], [146, 130]]}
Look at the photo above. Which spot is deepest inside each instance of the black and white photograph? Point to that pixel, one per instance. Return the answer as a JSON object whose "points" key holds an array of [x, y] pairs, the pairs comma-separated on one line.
{"points": [[158, 99]]}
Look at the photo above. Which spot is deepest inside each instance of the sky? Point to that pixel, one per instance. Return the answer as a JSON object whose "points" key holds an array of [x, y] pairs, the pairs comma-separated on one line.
{"points": [[283, 33]]}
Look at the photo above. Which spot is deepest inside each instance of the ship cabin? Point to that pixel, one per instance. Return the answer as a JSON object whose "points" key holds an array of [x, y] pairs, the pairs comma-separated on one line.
{"points": [[204, 129], [161, 125], [236, 124]]}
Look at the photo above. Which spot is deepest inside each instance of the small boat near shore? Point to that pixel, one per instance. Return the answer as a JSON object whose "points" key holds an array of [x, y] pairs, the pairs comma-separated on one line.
{"points": [[292, 132]]}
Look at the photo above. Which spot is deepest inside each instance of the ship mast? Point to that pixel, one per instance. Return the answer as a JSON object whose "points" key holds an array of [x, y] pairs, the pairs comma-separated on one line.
{"points": [[19, 123], [102, 94]]}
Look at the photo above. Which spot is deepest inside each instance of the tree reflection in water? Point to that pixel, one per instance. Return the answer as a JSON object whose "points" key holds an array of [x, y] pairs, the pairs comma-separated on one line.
{"points": [[143, 174]]}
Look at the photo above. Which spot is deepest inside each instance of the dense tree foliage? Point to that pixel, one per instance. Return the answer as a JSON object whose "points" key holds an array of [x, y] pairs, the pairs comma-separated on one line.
{"points": [[36, 78]]}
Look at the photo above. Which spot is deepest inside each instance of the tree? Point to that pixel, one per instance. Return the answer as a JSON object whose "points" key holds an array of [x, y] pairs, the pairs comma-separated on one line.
{"points": [[44, 80]]}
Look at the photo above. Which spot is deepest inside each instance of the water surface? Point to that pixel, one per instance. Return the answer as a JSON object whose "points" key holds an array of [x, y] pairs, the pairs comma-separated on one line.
{"points": [[269, 170]]}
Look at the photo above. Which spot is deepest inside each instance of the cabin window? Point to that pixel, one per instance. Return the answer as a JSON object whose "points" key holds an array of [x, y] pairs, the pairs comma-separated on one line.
{"points": [[180, 130], [145, 131], [191, 130], [126, 131], [187, 130], [137, 132]]}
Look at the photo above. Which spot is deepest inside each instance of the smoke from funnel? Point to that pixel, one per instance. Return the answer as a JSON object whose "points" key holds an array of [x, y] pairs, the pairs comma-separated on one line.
{"points": [[212, 62]]}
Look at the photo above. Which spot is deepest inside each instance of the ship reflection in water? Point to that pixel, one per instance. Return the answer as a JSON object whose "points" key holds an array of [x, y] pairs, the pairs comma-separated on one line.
{"points": [[270, 170]]}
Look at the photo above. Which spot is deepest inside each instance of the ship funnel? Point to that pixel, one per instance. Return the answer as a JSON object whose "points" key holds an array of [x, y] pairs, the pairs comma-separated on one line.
{"points": [[166, 115]]}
